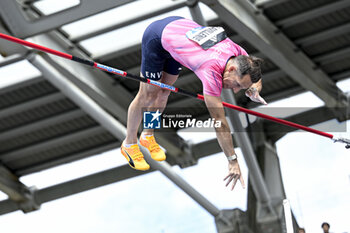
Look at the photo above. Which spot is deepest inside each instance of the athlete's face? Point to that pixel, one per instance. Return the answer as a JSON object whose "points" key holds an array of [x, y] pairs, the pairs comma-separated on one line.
{"points": [[235, 82]]}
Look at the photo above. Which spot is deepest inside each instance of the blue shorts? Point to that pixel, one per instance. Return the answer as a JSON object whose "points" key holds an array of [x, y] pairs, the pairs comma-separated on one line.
{"points": [[155, 58]]}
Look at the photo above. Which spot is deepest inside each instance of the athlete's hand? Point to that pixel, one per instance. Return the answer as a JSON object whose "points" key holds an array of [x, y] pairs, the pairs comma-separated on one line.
{"points": [[234, 174], [254, 95]]}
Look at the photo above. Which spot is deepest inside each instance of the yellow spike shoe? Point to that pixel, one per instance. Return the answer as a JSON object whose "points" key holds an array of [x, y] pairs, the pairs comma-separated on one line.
{"points": [[134, 157], [150, 143]]}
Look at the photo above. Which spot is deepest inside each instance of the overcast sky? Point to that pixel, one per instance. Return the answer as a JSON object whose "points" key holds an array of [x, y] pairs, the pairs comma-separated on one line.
{"points": [[315, 174]]}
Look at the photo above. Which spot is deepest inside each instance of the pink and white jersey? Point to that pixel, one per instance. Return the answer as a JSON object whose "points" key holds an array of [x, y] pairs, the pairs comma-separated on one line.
{"points": [[208, 65]]}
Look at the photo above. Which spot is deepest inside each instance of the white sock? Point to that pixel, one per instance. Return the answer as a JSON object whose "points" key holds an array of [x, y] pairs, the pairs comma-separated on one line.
{"points": [[146, 135], [128, 145]]}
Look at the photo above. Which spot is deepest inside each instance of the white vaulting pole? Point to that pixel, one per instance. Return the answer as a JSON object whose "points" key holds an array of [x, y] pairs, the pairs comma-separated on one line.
{"points": [[288, 216]]}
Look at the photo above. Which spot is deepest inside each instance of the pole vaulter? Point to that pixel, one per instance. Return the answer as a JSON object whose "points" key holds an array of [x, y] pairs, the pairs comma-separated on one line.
{"points": [[169, 87]]}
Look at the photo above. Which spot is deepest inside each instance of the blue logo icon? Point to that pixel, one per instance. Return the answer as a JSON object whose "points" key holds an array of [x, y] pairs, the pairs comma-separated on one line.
{"points": [[151, 120]]}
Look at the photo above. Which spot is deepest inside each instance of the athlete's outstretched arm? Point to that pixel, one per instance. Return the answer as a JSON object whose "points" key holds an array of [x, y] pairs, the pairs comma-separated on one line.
{"points": [[216, 110]]}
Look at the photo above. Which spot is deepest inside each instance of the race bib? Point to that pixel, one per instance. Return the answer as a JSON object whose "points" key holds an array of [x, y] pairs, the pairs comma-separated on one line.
{"points": [[207, 37]]}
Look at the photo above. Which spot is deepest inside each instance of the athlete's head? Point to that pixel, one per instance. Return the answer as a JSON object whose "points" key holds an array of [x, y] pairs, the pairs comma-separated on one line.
{"points": [[241, 72]]}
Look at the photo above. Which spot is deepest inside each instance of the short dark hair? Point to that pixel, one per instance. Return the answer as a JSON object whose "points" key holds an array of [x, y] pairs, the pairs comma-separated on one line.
{"points": [[326, 223], [249, 65]]}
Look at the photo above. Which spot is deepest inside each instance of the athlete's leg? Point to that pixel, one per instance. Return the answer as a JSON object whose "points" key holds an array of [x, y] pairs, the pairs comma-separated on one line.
{"points": [[161, 97], [145, 98], [129, 148], [154, 59], [147, 139]]}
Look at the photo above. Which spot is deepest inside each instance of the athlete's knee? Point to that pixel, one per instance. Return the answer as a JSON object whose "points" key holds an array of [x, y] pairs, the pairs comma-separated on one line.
{"points": [[148, 96], [162, 96]]}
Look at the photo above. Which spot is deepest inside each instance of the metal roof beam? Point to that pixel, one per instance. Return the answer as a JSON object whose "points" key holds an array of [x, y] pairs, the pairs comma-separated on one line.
{"points": [[311, 14], [341, 75], [323, 35], [196, 12], [28, 1], [333, 56], [36, 148], [76, 186], [66, 159], [268, 3], [31, 127], [10, 184], [245, 19], [31, 104], [21, 27], [11, 59], [8, 48], [17, 191], [96, 83], [175, 5], [22, 84]]}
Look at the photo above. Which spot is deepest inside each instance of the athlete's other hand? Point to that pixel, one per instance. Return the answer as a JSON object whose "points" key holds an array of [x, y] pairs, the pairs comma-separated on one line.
{"points": [[234, 174], [254, 95]]}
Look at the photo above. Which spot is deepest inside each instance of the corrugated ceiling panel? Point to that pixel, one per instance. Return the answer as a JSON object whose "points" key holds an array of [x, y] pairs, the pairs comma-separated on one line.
{"points": [[319, 24], [47, 133], [63, 150], [26, 93], [292, 7], [326, 46], [37, 113], [337, 66]]}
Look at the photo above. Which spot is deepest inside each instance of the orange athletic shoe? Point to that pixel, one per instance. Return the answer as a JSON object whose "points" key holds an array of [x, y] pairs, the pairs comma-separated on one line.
{"points": [[134, 157], [156, 152]]}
